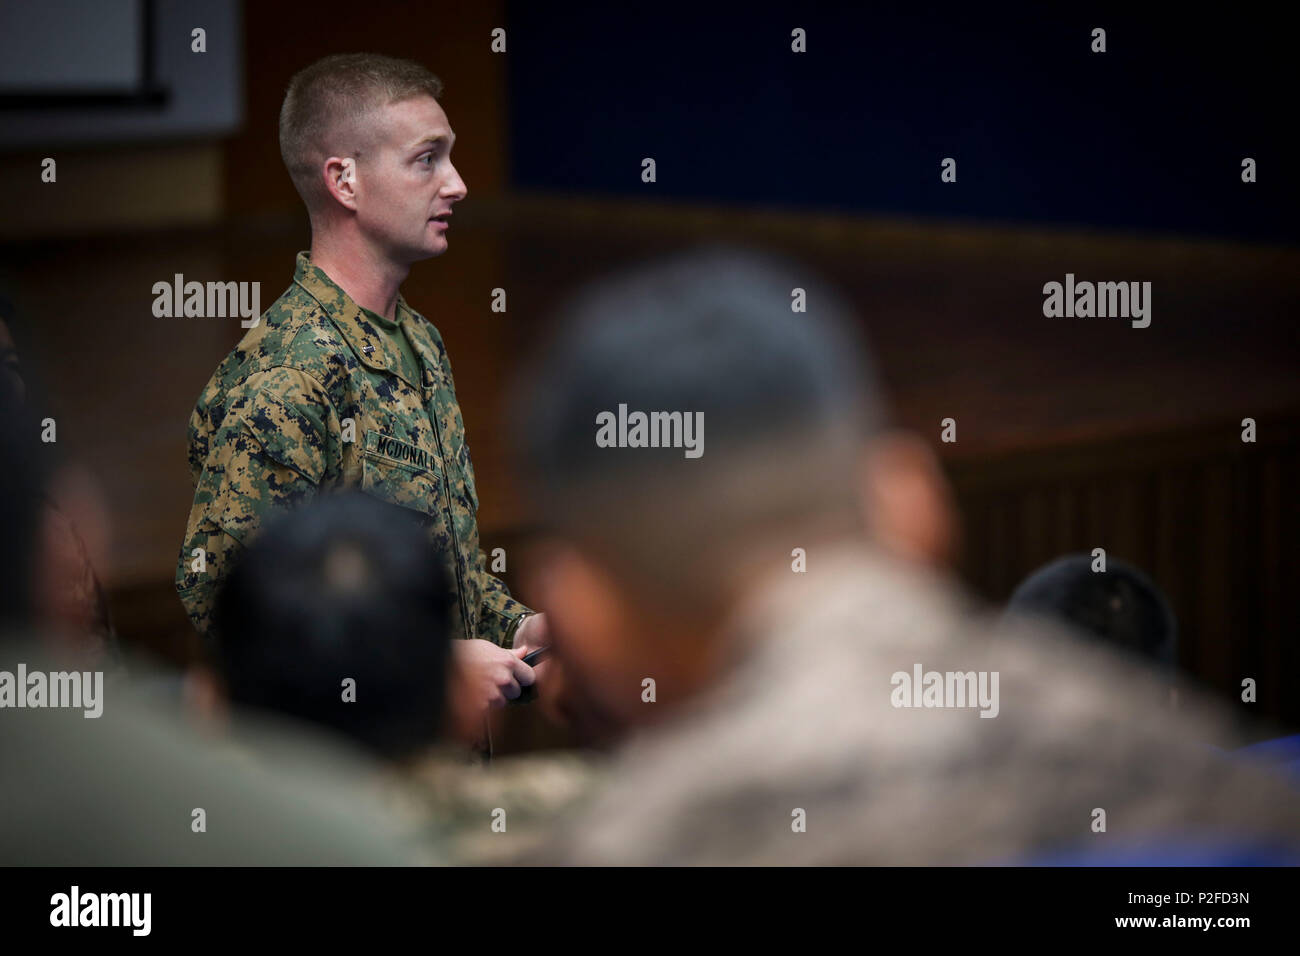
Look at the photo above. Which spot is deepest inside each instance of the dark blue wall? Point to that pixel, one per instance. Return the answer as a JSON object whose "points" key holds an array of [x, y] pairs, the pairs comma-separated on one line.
{"points": [[1149, 135]]}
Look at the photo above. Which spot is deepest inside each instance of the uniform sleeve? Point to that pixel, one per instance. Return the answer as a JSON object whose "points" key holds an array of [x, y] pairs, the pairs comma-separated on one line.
{"points": [[268, 453], [500, 614]]}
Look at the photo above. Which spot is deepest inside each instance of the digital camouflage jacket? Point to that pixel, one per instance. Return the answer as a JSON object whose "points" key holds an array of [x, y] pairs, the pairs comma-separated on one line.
{"points": [[313, 400]]}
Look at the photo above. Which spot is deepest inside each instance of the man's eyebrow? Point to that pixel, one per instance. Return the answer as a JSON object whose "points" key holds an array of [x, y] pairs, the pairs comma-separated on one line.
{"points": [[434, 140]]}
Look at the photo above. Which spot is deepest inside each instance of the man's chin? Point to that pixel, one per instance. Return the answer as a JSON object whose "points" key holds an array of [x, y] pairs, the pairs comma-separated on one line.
{"points": [[428, 250], [435, 247]]}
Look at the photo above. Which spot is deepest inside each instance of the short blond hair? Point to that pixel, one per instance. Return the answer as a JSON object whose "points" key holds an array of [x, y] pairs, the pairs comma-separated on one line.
{"points": [[326, 100]]}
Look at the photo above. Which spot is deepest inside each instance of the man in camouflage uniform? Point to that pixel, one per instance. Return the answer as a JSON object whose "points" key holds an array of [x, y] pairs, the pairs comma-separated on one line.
{"points": [[342, 384]]}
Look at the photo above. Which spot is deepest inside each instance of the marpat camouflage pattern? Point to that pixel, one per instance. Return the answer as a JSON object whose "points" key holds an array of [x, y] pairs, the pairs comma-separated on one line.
{"points": [[271, 431]]}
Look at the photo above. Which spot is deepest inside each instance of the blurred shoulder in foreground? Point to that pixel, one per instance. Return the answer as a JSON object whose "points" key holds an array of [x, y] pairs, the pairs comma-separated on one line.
{"points": [[139, 786]]}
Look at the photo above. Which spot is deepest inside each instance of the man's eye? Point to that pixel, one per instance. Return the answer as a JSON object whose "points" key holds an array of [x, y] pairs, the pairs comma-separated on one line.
{"points": [[427, 159]]}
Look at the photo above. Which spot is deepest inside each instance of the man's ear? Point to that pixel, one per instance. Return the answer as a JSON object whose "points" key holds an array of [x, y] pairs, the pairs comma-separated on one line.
{"points": [[588, 620], [906, 500], [341, 180], [583, 605]]}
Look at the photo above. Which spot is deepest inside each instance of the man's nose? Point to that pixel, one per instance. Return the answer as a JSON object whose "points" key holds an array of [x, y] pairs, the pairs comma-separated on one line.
{"points": [[455, 188]]}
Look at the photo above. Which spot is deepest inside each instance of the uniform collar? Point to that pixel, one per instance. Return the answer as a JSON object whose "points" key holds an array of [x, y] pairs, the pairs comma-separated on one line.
{"points": [[374, 348]]}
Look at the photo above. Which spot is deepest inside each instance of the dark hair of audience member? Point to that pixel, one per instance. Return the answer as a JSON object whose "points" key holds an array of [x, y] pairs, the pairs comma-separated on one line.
{"points": [[1120, 606], [345, 589]]}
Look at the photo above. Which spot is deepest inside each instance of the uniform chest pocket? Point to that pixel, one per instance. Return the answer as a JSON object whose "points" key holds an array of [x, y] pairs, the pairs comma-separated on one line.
{"points": [[402, 474]]}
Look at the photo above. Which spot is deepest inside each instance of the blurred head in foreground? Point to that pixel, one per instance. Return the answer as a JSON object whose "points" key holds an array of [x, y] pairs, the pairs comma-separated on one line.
{"points": [[749, 567], [1120, 606], [337, 615], [685, 432]]}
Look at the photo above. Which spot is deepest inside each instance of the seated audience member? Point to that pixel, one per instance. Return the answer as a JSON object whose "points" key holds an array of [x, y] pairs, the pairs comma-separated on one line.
{"points": [[1120, 606], [338, 616], [724, 514], [96, 774], [68, 601]]}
